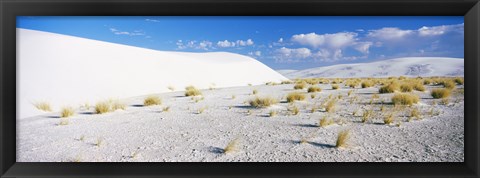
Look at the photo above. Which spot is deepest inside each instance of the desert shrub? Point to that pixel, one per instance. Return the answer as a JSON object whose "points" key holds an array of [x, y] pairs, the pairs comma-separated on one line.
{"points": [[367, 83], [335, 87], [390, 88], [152, 100], [342, 138], [192, 91], [459, 81], [330, 105], [299, 86], [440, 93], [389, 119], [67, 112], [406, 87], [449, 84], [118, 105], [294, 109], [295, 96], [231, 147], [427, 81], [404, 99], [325, 122], [44, 106], [272, 113], [419, 86], [262, 102], [102, 107], [314, 89]]}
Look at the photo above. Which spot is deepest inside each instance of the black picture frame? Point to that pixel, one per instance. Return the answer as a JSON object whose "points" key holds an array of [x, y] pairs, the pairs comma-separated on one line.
{"points": [[9, 9]]}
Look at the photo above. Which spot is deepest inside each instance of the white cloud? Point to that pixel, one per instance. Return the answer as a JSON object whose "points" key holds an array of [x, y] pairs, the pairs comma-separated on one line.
{"points": [[389, 33], [363, 47], [225, 44], [280, 40], [288, 53], [134, 33], [204, 45], [249, 42], [152, 20], [336, 40], [258, 53], [440, 30]]}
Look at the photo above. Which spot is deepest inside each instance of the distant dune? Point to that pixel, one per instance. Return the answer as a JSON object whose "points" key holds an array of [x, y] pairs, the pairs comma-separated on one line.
{"points": [[410, 66], [70, 71]]}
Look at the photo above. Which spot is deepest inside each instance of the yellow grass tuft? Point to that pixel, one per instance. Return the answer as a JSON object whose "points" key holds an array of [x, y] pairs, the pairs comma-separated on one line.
{"points": [[330, 105], [102, 107], [459, 81], [367, 115], [152, 100], [67, 112], [255, 91], [166, 109], [440, 93], [419, 86], [295, 96], [314, 89], [192, 91], [118, 105], [299, 86], [405, 99], [325, 122], [448, 84], [406, 87], [342, 138], [44, 106], [272, 113], [294, 109], [415, 113], [262, 102], [64, 121], [335, 87], [390, 88], [232, 146], [389, 119], [367, 84]]}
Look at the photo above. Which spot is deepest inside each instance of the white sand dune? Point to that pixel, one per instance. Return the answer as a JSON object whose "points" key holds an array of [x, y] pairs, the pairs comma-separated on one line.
{"points": [[410, 66], [70, 71]]}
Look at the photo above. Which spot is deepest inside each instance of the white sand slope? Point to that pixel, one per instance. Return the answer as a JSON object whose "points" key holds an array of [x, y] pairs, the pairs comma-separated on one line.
{"points": [[410, 66], [70, 71]]}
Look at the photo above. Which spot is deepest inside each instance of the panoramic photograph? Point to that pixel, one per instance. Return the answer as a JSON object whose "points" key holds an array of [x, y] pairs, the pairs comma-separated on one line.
{"points": [[240, 89]]}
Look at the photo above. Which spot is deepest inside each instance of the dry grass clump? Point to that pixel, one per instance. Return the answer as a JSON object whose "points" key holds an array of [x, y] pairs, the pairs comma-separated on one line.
{"points": [[419, 86], [294, 109], [295, 96], [405, 99], [63, 121], [67, 112], [44, 106], [342, 138], [440, 93], [448, 84], [335, 87], [313, 96], [232, 146], [102, 107], [259, 102], [445, 101], [402, 78], [192, 91], [325, 122], [389, 119], [330, 105], [300, 86], [272, 113], [390, 88], [350, 92], [99, 142], [166, 109], [459, 80], [255, 91], [152, 100], [314, 89], [406, 87], [415, 113], [286, 82], [367, 115], [367, 84], [201, 110], [118, 105]]}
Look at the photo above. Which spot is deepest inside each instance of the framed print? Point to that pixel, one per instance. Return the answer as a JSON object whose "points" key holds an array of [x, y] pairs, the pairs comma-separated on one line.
{"points": [[226, 88]]}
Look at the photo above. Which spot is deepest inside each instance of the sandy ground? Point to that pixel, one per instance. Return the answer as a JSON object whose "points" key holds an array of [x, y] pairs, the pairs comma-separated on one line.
{"points": [[148, 134]]}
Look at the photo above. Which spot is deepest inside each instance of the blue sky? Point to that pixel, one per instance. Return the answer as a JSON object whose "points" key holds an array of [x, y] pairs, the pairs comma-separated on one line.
{"points": [[279, 42]]}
